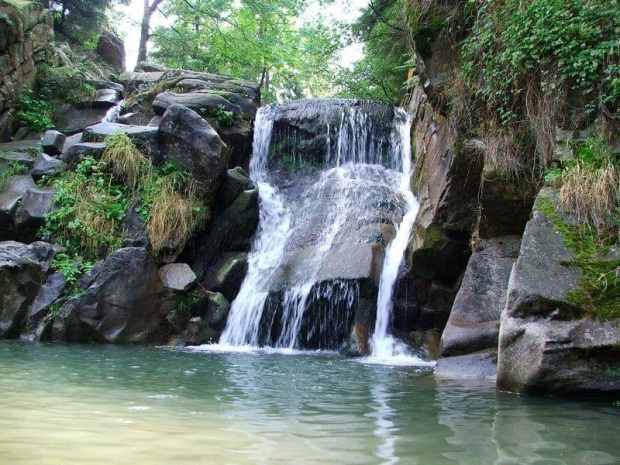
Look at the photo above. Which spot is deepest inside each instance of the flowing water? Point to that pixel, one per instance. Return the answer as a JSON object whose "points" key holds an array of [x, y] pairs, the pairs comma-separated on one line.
{"points": [[360, 176], [76, 404]]}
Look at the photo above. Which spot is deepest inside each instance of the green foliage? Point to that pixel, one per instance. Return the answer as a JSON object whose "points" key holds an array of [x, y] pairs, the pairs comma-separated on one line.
{"points": [[380, 74], [219, 117], [72, 268], [81, 19], [566, 45], [35, 111], [13, 168], [261, 41]]}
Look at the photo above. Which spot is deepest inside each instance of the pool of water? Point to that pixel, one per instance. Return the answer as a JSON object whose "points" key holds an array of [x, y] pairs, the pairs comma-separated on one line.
{"points": [[63, 404]]}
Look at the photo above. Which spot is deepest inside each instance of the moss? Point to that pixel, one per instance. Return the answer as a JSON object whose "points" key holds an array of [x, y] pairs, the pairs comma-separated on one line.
{"points": [[599, 291], [432, 236]]}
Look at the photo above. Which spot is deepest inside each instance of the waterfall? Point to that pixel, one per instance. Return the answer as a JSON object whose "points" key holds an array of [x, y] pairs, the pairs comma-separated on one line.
{"points": [[302, 284]]}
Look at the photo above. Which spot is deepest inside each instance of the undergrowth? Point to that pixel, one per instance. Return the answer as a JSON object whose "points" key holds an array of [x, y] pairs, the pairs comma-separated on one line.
{"points": [[92, 203], [13, 168]]}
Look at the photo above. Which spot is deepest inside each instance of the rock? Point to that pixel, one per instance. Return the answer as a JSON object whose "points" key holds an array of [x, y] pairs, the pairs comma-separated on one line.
{"points": [[187, 139], [217, 311], [72, 120], [30, 215], [147, 67], [70, 142], [76, 153], [177, 277], [40, 308], [238, 137], [198, 332], [10, 195], [227, 274], [134, 118], [112, 50], [126, 302], [45, 166], [26, 147], [546, 345], [358, 344], [21, 159], [231, 231], [135, 81], [105, 98], [53, 142], [234, 183], [473, 365], [203, 103], [8, 126], [133, 224], [22, 270], [474, 320], [144, 137]]}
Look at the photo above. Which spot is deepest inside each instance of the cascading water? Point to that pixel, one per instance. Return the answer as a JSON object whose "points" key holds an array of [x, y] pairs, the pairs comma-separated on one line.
{"points": [[314, 229]]}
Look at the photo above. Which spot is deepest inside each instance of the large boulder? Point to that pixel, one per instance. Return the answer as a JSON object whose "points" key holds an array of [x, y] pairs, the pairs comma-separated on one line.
{"points": [[10, 195], [187, 139], [203, 103], [23, 269], [144, 137], [473, 325], [126, 302], [547, 343], [45, 166], [38, 322], [53, 142], [227, 274], [112, 50], [31, 213]]}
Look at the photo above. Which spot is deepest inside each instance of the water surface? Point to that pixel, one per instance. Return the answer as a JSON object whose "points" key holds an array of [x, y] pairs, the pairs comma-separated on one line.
{"points": [[63, 404]]}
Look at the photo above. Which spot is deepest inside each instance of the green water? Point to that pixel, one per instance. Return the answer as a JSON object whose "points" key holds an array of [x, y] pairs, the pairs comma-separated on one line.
{"points": [[98, 404]]}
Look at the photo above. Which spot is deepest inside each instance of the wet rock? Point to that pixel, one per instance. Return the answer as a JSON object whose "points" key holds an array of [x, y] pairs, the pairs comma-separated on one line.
{"points": [[474, 365], [546, 345], [126, 302], [40, 309], [474, 320], [234, 183], [45, 166], [53, 142], [10, 196], [134, 118], [363, 323], [187, 139], [30, 215], [79, 151], [23, 269], [217, 311], [227, 274], [105, 98], [177, 277], [136, 81], [198, 332]]}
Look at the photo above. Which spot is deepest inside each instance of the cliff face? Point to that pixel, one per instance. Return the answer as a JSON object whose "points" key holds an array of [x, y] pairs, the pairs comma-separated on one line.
{"points": [[25, 36], [468, 276]]}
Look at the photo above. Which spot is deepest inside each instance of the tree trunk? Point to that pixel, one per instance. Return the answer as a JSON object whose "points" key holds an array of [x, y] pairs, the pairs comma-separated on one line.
{"points": [[145, 27]]}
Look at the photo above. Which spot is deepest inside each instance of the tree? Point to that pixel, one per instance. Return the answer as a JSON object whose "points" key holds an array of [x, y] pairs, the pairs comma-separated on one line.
{"points": [[149, 9], [262, 41], [80, 19]]}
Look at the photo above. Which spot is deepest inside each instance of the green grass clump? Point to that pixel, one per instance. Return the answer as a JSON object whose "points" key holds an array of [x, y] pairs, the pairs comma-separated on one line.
{"points": [[14, 168]]}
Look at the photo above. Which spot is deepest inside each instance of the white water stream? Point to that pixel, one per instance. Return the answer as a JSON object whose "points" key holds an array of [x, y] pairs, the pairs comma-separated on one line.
{"points": [[360, 178]]}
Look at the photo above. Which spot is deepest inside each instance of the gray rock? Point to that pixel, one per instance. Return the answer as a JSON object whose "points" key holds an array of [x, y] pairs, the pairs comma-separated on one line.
{"points": [[144, 137], [234, 183], [135, 81], [187, 139], [40, 308], [177, 277], [134, 118], [544, 345], [227, 274], [28, 147], [72, 120], [126, 302], [474, 320], [8, 125], [53, 142], [78, 152], [23, 268], [474, 365], [133, 224], [10, 195], [30, 215], [112, 50], [22, 159], [217, 311], [198, 332], [147, 67], [45, 166], [105, 98], [71, 141], [203, 103]]}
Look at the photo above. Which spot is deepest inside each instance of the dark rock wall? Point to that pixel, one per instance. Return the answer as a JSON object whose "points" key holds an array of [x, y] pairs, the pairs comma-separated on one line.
{"points": [[23, 47]]}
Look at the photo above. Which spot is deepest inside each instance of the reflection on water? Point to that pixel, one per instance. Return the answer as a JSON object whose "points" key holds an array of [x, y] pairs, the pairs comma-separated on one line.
{"points": [[90, 404]]}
